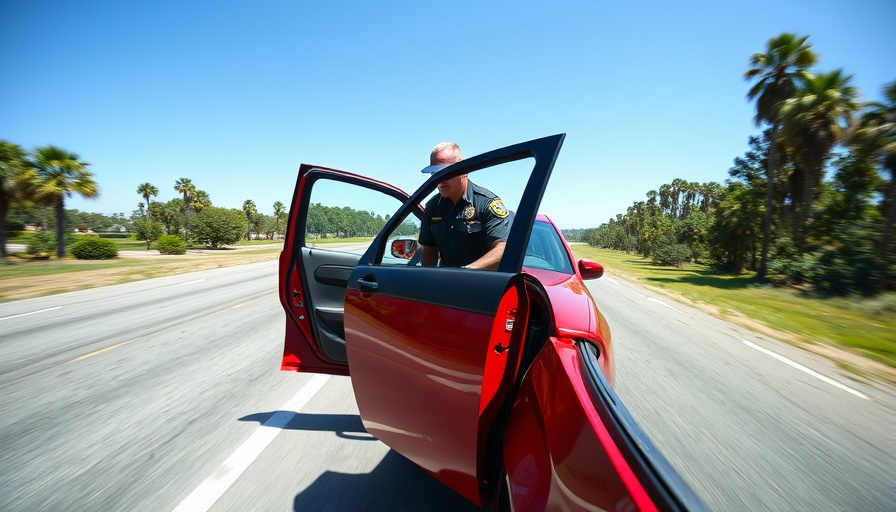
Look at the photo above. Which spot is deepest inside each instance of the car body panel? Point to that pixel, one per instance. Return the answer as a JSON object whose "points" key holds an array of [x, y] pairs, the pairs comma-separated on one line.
{"points": [[420, 385]]}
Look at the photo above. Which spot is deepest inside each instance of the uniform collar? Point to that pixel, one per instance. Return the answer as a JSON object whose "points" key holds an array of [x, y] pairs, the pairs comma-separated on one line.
{"points": [[468, 194]]}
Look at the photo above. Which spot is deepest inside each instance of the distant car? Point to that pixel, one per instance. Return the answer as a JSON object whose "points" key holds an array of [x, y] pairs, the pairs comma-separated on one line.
{"points": [[497, 383]]}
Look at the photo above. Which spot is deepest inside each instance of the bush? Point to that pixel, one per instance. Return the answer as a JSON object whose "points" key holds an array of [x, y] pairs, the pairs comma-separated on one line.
{"points": [[673, 255], [94, 248], [114, 235], [43, 243], [214, 227], [148, 231], [171, 244]]}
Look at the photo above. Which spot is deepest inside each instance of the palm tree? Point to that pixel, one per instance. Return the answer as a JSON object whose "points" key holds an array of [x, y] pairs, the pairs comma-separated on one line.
{"points": [[779, 71], [61, 173], [185, 186], [147, 190], [813, 122], [14, 174], [249, 209], [199, 201], [876, 134], [279, 210]]}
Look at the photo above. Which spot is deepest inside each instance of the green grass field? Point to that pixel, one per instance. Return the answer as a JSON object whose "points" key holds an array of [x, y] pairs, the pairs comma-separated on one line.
{"points": [[864, 326]]}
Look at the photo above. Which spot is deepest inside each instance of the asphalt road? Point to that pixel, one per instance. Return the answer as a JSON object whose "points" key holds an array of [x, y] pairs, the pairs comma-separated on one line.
{"points": [[165, 395]]}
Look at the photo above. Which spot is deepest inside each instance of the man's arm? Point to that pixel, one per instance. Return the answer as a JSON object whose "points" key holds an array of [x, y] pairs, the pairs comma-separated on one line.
{"points": [[430, 256], [489, 260]]}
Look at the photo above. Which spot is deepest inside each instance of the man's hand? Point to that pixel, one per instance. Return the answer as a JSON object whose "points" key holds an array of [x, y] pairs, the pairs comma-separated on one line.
{"points": [[490, 260], [430, 256]]}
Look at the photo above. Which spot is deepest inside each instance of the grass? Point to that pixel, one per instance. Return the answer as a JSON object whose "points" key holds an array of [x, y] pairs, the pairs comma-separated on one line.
{"points": [[357, 239], [22, 277], [858, 325], [15, 267]]}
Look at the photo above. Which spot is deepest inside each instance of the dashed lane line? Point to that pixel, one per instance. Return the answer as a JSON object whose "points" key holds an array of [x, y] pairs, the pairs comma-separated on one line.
{"points": [[661, 303], [30, 313], [804, 369]]}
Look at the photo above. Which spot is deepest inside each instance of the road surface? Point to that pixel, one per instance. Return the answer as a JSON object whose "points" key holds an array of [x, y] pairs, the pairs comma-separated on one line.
{"points": [[165, 395]]}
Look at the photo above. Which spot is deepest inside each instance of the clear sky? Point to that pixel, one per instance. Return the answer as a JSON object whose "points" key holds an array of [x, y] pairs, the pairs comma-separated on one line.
{"points": [[235, 94]]}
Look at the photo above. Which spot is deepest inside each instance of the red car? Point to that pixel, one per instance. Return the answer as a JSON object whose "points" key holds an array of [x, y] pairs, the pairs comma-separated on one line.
{"points": [[498, 383]]}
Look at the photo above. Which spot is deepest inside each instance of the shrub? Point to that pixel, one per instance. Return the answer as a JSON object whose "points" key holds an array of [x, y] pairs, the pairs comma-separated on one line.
{"points": [[148, 231], [214, 227], [673, 255], [114, 235], [94, 248], [171, 244], [42, 243]]}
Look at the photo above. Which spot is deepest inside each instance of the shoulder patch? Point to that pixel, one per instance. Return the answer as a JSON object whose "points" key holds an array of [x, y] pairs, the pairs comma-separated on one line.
{"points": [[497, 207]]}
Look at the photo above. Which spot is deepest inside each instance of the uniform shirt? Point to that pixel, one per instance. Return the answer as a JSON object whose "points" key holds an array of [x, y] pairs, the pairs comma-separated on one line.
{"points": [[465, 231]]}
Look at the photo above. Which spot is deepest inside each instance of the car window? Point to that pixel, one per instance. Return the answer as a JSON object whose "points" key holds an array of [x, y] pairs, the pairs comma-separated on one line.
{"points": [[345, 217], [546, 250], [506, 181]]}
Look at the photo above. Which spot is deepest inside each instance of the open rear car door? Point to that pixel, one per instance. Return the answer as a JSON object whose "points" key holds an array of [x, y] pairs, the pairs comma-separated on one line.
{"points": [[434, 352]]}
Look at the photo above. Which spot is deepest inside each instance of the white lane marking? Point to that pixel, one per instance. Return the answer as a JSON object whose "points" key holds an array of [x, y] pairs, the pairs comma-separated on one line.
{"points": [[661, 303], [31, 313], [98, 352], [189, 282], [804, 369], [610, 279], [208, 492]]}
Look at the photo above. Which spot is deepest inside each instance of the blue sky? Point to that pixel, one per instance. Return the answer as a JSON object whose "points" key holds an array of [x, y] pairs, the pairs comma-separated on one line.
{"points": [[235, 94]]}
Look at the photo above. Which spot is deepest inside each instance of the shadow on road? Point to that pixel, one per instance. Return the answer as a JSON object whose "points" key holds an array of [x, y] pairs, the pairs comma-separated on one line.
{"points": [[347, 426], [395, 484]]}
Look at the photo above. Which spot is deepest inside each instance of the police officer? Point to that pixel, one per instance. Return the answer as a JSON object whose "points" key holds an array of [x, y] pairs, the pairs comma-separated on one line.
{"points": [[465, 225]]}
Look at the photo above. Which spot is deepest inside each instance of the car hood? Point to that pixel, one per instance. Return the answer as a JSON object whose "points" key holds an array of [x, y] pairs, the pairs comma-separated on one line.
{"points": [[572, 303]]}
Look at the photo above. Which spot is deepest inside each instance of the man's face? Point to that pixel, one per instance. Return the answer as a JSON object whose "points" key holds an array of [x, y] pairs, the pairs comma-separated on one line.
{"points": [[453, 188]]}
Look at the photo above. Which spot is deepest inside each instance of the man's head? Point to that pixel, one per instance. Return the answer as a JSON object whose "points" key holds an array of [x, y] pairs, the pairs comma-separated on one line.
{"points": [[443, 155]]}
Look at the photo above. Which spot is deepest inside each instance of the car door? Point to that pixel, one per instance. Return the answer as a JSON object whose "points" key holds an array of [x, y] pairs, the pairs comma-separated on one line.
{"points": [[418, 340], [435, 358]]}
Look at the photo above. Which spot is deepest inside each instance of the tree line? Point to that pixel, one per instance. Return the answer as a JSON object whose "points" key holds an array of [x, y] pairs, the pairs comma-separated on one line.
{"points": [[345, 222], [33, 182], [813, 200]]}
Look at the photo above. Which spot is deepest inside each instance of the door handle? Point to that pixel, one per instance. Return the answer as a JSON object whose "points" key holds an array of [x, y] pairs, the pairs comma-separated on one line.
{"points": [[369, 286]]}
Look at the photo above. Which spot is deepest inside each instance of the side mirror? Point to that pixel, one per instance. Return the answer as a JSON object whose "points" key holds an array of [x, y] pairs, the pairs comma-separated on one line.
{"points": [[404, 248], [590, 269]]}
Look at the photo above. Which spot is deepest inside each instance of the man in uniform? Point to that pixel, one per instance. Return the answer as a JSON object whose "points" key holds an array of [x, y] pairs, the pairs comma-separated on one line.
{"points": [[465, 225]]}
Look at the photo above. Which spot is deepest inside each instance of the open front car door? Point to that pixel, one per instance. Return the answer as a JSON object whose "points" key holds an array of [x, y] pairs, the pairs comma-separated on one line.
{"points": [[463, 371]]}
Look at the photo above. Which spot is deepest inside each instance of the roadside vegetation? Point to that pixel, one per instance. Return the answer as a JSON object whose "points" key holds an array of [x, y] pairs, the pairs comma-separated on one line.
{"points": [[811, 204], [23, 277], [862, 326]]}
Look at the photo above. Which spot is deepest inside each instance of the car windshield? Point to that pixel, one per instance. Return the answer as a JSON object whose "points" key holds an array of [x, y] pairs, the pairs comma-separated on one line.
{"points": [[545, 250]]}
